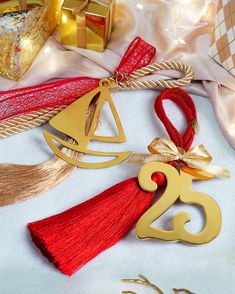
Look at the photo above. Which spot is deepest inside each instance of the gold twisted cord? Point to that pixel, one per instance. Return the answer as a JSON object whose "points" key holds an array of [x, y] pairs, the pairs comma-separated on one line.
{"points": [[131, 84], [33, 119], [27, 121]]}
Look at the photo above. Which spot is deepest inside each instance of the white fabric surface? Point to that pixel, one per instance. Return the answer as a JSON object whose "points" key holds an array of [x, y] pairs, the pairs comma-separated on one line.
{"points": [[203, 269]]}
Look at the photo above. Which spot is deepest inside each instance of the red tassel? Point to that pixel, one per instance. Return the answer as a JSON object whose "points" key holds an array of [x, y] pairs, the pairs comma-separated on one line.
{"points": [[72, 238]]}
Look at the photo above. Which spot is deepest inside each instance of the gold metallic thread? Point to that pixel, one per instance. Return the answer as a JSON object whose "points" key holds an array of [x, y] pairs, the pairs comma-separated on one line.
{"points": [[21, 182], [195, 126], [27, 121]]}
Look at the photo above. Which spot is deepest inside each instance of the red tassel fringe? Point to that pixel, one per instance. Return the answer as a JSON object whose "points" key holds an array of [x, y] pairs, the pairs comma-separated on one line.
{"points": [[70, 239]]}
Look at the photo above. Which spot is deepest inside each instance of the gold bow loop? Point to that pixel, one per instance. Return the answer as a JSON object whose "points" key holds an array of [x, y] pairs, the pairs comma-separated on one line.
{"points": [[164, 150]]}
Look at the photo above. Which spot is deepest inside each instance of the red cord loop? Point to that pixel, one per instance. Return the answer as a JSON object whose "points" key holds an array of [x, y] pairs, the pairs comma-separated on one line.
{"points": [[185, 102]]}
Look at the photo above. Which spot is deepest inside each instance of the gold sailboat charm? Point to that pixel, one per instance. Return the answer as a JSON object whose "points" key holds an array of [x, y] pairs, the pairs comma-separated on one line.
{"points": [[72, 122]]}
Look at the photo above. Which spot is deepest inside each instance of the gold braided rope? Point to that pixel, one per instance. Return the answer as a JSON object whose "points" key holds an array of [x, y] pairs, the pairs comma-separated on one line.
{"points": [[130, 84], [27, 121], [33, 119]]}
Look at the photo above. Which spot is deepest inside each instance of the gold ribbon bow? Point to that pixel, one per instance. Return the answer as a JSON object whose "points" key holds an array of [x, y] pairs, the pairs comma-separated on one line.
{"points": [[164, 150]]}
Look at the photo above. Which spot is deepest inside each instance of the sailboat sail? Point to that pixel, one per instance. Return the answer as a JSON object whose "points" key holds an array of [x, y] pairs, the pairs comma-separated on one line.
{"points": [[72, 122]]}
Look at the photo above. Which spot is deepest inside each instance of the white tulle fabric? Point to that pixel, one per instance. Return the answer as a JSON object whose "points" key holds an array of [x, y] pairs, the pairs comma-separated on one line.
{"points": [[179, 30]]}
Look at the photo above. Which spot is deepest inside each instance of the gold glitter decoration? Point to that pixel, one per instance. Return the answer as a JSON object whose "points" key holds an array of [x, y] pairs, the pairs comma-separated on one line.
{"points": [[22, 35], [7, 6]]}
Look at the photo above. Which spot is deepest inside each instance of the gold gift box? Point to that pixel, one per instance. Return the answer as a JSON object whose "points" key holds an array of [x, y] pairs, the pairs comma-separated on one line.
{"points": [[7, 6], [22, 35], [87, 24]]}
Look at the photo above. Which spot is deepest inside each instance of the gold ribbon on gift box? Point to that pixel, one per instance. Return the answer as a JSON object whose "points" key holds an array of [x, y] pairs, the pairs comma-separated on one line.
{"points": [[7, 6], [198, 158], [86, 23]]}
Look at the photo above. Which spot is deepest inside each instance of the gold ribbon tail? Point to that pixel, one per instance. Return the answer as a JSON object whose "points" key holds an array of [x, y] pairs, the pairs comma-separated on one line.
{"points": [[213, 169], [164, 150], [144, 158]]}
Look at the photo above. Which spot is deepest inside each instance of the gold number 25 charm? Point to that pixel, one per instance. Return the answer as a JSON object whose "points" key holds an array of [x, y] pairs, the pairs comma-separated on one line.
{"points": [[179, 185]]}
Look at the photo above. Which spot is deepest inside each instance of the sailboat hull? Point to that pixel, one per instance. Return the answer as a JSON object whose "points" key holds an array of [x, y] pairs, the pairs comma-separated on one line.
{"points": [[119, 156]]}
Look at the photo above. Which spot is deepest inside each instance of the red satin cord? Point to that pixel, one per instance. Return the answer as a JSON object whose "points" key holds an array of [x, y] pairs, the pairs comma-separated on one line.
{"points": [[185, 102], [71, 239]]}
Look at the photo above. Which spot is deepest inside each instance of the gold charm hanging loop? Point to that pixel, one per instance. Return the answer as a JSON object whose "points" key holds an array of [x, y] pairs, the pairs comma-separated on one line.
{"points": [[106, 83]]}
